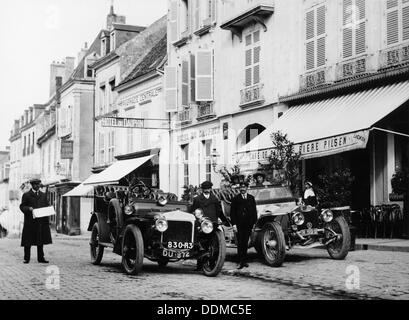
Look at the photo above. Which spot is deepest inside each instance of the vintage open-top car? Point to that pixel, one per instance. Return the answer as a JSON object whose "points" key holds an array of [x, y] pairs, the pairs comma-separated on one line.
{"points": [[284, 224], [153, 225]]}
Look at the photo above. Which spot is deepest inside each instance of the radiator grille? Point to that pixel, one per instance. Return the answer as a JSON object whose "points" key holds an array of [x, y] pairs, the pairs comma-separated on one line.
{"points": [[179, 231]]}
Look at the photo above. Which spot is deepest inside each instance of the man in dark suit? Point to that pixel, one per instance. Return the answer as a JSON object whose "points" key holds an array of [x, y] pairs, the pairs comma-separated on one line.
{"points": [[211, 207], [243, 214], [36, 232], [209, 203]]}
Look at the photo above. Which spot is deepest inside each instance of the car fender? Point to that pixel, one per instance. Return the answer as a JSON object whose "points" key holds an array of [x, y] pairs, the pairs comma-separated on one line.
{"points": [[94, 218]]}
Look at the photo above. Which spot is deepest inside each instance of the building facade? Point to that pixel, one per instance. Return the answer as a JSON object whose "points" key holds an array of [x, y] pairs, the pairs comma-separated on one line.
{"points": [[234, 78]]}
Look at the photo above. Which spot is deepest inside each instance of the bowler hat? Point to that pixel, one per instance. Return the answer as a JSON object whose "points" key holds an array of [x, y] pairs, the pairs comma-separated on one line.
{"points": [[206, 185]]}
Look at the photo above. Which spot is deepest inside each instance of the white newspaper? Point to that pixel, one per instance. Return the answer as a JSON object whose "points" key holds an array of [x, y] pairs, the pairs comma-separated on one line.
{"points": [[43, 212]]}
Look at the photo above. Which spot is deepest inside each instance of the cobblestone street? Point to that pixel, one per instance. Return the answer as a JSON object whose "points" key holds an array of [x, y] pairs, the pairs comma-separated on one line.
{"points": [[307, 275]]}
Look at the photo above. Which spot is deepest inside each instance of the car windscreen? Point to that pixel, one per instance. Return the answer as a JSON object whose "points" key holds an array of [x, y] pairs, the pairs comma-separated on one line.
{"points": [[265, 194]]}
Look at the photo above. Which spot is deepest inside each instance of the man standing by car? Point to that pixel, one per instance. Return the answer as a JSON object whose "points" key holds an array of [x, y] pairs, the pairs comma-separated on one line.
{"points": [[243, 214], [209, 204], [36, 232], [211, 207]]}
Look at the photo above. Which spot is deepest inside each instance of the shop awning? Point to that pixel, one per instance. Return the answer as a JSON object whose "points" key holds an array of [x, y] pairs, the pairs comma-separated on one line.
{"points": [[117, 171], [82, 190], [332, 125]]}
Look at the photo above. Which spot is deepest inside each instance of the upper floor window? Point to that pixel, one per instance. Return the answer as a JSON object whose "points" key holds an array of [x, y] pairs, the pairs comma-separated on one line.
{"points": [[397, 21], [101, 141], [111, 146], [315, 32], [103, 47], [252, 58], [113, 41], [353, 28], [33, 144], [102, 99], [111, 94]]}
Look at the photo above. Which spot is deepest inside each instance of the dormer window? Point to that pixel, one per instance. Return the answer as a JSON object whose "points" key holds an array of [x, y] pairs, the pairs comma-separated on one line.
{"points": [[103, 47]]}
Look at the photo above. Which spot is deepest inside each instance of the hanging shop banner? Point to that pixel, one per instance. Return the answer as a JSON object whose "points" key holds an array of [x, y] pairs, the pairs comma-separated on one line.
{"points": [[114, 122], [315, 149], [67, 149]]}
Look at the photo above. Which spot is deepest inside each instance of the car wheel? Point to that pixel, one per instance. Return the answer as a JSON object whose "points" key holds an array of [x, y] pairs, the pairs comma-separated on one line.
{"points": [[339, 248], [132, 250], [214, 261], [96, 250], [273, 244]]}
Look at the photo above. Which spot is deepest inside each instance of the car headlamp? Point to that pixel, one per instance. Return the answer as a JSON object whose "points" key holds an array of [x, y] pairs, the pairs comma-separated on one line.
{"points": [[161, 225], [207, 226], [327, 215], [162, 201], [298, 218], [199, 214], [128, 210]]}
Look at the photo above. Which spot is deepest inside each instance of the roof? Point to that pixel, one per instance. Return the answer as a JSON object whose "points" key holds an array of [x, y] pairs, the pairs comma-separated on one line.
{"points": [[105, 59], [152, 60], [95, 47], [332, 118], [127, 27]]}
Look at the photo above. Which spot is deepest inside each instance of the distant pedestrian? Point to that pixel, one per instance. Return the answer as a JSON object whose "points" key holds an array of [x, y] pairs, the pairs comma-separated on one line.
{"points": [[243, 214], [36, 232]]}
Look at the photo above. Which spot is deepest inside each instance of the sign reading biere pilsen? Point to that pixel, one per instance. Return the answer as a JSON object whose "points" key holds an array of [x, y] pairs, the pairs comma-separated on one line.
{"points": [[122, 122]]}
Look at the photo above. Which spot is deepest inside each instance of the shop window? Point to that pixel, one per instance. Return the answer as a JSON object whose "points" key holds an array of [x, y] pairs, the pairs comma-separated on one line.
{"points": [[111, 146], [101, 148]]}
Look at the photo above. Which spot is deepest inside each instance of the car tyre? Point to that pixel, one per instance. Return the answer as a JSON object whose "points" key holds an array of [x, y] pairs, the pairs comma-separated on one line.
{"points": [[214, 264], [272, 243], [339, 249], [96, 250], [163, 262], [132, 250]]}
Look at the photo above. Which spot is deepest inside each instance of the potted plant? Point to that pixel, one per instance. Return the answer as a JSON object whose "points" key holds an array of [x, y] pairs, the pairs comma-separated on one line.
{"points": [[189, 193], [400, 185]]}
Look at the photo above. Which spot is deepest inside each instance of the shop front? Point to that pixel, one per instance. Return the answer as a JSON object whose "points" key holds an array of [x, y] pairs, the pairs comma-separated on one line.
{"points": [[365, 132]]}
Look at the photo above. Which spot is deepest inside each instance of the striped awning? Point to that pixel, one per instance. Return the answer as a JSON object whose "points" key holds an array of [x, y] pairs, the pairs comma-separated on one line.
{"points": [[332, 125]]}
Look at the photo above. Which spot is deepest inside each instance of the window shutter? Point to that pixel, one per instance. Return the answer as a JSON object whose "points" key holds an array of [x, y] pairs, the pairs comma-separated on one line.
{"points": [[185, 83], [256, 74], [321, 40], [204, 75], [392, 22], [197, 14], [248, 64], [310, 44], [173, 21], [321, 20], [321, 52], [405, 20], [213, 9], [347, 43], [192, 78], [360, 38], [171, 89]]}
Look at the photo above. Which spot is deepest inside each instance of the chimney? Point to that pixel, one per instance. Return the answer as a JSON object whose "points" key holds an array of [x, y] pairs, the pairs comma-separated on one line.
{"points": [[83, 52], [56, 70], [69, 67], [113, 18]]}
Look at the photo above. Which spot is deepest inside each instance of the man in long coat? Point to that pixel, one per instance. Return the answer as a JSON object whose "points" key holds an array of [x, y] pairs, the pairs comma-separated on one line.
{"points": [[243, 215], [36, 232]]}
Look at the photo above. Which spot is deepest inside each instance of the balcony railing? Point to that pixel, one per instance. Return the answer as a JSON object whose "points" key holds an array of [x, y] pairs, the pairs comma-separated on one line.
{"points": [[205, 111], [316, 78], [392, 57], [355, 67], [252, 96], [185, 116]]}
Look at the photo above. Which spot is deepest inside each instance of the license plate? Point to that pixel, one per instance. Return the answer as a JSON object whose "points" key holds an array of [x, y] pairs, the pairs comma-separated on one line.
{"points": [[176, 254], [309, 232], [179, 245]]}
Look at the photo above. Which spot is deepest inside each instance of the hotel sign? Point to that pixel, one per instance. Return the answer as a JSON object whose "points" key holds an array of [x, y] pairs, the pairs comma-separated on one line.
{"points": [[115, 122], [317, 148]]}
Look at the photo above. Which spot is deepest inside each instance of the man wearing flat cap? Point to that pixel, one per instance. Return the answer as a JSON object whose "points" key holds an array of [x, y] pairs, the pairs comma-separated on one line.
{"points": [[36, 232], [209, 203], [243, 214], [211, 207]]}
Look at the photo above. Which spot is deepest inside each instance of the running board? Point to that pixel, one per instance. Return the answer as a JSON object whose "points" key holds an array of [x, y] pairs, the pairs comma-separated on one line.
{"points": [[106, 244]]}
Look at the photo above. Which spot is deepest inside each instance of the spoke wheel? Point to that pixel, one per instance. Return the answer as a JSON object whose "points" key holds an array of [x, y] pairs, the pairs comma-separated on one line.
{"points": [[273, 244], [96, 250], [339, 247], [132, 250], [214, 260]]}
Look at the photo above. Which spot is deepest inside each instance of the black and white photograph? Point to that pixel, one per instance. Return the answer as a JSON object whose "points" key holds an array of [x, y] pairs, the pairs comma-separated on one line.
{"points": [[217, 151]]}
